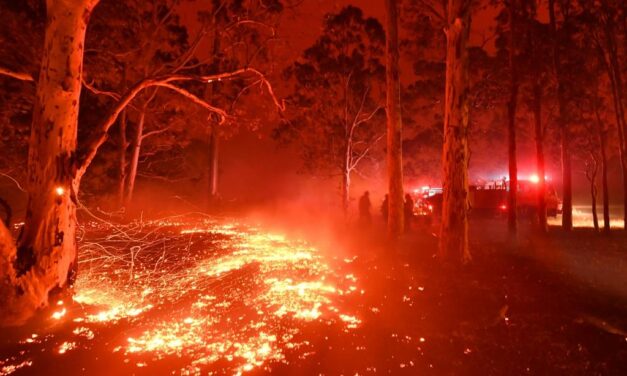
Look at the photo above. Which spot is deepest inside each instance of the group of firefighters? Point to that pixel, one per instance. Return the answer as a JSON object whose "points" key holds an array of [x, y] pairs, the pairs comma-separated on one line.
{"points": [[365, 217]]}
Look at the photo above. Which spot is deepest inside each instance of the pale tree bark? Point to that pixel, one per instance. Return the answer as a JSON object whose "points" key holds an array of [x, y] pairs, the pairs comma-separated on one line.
{"points": [[211, 92], [540, 162], [138, 139], [512, 207], [454, 227], [345, 189], [567, 193], [135, 154], [122, 145], [212, 166], [348, 152], [394, 125], [352, 157], [45, 260]]}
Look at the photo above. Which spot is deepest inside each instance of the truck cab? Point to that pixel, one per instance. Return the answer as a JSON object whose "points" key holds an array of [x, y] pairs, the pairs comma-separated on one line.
{"points": [[491, 197]]}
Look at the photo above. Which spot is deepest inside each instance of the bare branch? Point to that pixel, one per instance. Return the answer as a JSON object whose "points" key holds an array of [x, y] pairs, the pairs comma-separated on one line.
{"points": [[361, 106], [181, 62], [17, 75], [88, 153], [92, 89], [195, 99], [364, 153], [241, 92], [154, 133], [17, 183], [369, 117]]}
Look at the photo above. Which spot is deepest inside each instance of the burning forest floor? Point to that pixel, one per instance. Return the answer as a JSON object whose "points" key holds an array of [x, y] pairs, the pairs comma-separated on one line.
{"points": [[200, 295]]}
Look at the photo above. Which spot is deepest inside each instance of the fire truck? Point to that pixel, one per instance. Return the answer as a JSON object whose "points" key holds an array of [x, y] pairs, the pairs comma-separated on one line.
{"points": [[489, 198]]}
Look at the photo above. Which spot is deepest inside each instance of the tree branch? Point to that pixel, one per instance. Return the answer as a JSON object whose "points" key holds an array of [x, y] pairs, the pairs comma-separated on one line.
{"points": [[93, 89], [88, 153], [368, 117], [17, 183], [17, 75], [364, 153], [154, 133], [195, 99]]}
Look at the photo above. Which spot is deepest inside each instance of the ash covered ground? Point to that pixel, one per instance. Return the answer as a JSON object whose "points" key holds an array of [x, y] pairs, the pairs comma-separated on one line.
{"points": [[205, 295]]}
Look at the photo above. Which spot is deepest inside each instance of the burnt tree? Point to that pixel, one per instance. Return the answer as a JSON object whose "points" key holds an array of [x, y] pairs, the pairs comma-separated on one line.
{"points": [[454, 227]]}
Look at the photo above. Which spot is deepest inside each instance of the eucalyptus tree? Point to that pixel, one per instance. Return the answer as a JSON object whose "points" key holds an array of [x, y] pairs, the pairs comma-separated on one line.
{"points": [[44, 261], [337, 102]]}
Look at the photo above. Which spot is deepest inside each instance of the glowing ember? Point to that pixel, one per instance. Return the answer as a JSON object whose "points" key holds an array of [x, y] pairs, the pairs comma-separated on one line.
{"points": [[203, 291], [352, 322], [66, 346], [83, 332], [58, 314], [9, 369]]}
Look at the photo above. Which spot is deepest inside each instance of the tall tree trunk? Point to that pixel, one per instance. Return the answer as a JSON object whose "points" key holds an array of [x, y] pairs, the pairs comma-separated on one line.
{"points": [[122, 159], [614, 69], [212, 168], [211, 173], [593, 195], [135, 154], [567, 206], [454, 227], [620, 125], [591, 175], [512, 207], [604, 184], [346, 183], [540, 164], [212, 91], [45, 259], [602, 135], [394, 124], [348, 152]]}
